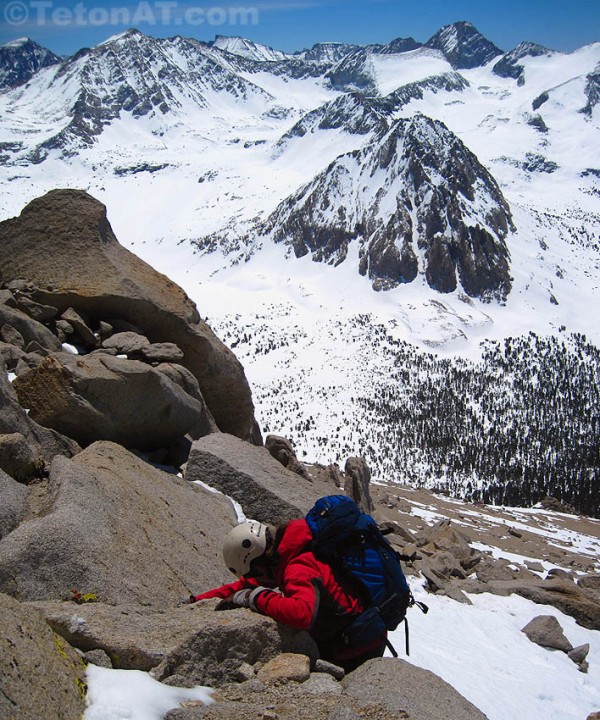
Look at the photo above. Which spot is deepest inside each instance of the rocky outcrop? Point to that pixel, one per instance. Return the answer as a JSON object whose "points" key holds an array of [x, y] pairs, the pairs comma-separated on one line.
{"points": [[282, 450], [40, 674], [592, 91], [188, 645], [112, 525], [356, 486], [100, 397], [84, 268], [546, 631], [264, 488]]}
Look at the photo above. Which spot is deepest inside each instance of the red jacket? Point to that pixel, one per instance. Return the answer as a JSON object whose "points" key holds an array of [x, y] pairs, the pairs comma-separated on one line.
{"points": [[312, 597]]}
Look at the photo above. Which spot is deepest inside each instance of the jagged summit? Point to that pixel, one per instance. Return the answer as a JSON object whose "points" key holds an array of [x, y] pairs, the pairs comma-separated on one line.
{"points": [[463, 45], [416, 201], [327, 52], [21, 59]]}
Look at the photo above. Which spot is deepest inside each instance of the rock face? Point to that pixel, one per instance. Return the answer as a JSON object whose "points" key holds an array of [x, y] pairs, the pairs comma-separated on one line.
{"points": [[463, 45], [83, 267], [447, 214], [112, 525], [266, 490], [41, 676], [99, 397]]}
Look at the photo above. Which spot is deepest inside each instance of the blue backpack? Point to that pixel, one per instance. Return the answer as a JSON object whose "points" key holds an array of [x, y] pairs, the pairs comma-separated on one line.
{"points": [[348, 539]]}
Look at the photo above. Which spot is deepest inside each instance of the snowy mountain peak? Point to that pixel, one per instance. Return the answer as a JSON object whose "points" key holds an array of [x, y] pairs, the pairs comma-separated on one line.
{"points": [[134, 75], [248, 49], [415, 202], [21, 59], [463, 45], [19, 42]]}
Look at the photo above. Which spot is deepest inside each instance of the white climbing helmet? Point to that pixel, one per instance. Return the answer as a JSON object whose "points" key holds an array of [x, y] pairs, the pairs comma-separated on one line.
{"points": [[242, 545]]}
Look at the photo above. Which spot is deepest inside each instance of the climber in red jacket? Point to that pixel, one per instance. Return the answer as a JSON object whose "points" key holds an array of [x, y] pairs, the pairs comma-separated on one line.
{"points": [[280, 577]]}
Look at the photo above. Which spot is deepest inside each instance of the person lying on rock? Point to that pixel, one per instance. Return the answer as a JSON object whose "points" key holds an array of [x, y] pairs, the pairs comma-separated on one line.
{"points": [[280, 577]]}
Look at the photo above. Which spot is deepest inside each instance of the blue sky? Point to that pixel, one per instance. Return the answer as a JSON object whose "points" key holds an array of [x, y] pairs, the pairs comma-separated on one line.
{"points": [[67, 25]]}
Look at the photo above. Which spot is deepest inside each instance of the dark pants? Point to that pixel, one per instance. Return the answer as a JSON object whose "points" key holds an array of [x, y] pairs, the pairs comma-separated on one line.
{"points": [[351, 658]]}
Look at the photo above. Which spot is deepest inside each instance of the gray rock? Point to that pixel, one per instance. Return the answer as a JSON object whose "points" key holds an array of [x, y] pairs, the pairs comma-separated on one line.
{"points": [[398, 685], [250, 475], [545, 630], [335, 671], [444, 536], [18, 458], [12, 507], [112, 525], [40, 675], [534, 566], [321, 683], [28, 328], [589, 582], [79, 245], [13, 419], [342, 712], [579, 653], [81, 327], [126, 343], [98, 657], [183, 377], [12, 336], [11, 355], [282, 450], [37, 311], [99, 397], [358, 477], [566, 596], [192, 643], [7, 298], [162, 352], [439, 568]]}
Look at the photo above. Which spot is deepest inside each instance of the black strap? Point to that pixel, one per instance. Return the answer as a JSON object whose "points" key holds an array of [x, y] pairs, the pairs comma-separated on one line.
{"points": [[391, 648]]}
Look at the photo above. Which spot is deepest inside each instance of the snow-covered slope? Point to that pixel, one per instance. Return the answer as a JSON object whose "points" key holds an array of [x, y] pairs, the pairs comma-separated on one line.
{"points": [[194, 147]]}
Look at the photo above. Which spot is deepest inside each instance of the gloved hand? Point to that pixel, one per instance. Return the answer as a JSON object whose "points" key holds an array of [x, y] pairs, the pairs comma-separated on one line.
{"points": [[189, 600], [241, 599]]}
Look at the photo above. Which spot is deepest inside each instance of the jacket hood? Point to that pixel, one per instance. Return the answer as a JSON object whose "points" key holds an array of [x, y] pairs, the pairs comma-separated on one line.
{"points": [[296, 539]]}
